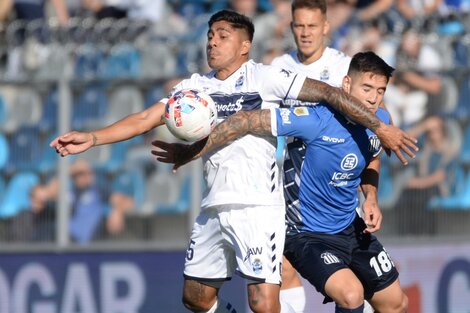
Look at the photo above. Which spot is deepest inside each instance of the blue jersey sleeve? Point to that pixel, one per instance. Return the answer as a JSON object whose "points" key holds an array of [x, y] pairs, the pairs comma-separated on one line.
{"points": [[301, 122], [383, 115]]}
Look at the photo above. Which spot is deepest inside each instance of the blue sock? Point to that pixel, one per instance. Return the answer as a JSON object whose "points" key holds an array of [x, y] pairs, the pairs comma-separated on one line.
{"points": [[359, 309]]}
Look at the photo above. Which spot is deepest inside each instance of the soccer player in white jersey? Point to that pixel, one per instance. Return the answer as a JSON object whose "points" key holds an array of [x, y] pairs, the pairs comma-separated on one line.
{"points": [[329, 244], [313, 58], [241, 225]]}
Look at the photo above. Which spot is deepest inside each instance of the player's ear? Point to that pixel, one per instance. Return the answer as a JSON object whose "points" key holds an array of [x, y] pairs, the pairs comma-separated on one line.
{"points": [[246, 46], [346, 84], [326, 28]]}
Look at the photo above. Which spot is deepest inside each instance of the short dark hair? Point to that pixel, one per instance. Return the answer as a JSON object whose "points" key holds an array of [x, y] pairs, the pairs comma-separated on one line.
{"points": [[235, 19], [368, 61], [309, 4]]}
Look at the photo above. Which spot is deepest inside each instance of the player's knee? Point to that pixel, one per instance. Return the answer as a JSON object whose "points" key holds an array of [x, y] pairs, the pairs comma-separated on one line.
{"points": [[398, 306], [351, 298], [403, 305]]}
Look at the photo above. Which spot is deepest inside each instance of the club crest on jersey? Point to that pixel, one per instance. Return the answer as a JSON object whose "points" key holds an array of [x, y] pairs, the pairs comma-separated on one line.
{"points": [[240, 81], [329, 258], [374, 144], [325, 74], [285, 116], [300, 111], [257, 266], [349, 162]]}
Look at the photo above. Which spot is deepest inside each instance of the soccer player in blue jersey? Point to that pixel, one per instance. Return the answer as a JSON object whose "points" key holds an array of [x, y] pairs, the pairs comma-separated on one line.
{"points": [[327, 242]]}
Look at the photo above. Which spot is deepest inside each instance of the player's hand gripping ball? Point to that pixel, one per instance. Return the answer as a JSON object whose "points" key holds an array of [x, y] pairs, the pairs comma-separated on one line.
{"points": [[190, 115]]}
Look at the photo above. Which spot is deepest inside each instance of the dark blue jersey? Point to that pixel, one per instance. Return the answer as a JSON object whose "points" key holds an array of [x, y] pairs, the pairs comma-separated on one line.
{"points": [[330, 167]]}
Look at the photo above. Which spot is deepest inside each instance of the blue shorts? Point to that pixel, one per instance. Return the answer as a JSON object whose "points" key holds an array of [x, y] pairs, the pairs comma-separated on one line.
{"points": [[316, 256]]}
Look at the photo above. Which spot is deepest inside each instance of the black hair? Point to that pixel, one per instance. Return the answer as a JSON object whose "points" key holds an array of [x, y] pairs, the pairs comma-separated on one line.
{"points": [[235, 19], [368, 61]]}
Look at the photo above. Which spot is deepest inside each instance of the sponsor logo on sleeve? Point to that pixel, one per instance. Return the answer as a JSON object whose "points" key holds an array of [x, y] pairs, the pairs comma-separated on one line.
{"points": [[301, 111]]}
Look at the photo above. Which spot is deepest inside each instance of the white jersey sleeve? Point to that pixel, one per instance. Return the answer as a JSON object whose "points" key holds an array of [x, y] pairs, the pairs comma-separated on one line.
{"points": [[279, 83]]}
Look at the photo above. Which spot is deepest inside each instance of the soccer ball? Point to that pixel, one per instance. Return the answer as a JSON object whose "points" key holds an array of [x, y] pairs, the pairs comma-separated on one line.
{"points": [[190, 115]]}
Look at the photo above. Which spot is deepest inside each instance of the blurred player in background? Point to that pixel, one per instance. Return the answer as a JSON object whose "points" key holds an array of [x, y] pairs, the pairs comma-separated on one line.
{"points": [[328, 243], [242, 217]]}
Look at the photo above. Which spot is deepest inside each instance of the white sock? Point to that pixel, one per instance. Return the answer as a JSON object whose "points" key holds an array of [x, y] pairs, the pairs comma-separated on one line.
{"points": [[286, 308], [367, 307], [222, 306], [295, 297]]}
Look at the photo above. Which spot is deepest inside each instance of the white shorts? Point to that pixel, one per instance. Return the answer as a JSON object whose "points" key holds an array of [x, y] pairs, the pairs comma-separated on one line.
{"points": [[245, 239]]}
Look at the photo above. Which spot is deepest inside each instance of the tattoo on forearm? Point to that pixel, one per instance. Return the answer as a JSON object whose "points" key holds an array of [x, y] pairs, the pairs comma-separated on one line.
{"points": [[256, 122], [347, 105]]}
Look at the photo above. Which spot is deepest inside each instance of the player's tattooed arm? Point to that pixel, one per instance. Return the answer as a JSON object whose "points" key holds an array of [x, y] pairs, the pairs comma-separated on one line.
{"points": [[390, 136], [314, 90], [256, 122]]}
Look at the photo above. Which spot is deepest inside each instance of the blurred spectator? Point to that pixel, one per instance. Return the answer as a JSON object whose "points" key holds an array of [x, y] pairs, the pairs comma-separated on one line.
{"points": [[149, 10], [416, 80], [368, 10], [415, 12], [107, 8], [246, 7], [5, 9], [43, 208], [121, 204], [87, 203], [272, 36], [339, 12], [429, 178], [356, 12], [36, 9], [370, 37]]}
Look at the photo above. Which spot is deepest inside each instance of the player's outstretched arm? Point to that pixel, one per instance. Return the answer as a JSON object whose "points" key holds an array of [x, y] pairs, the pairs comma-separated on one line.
{"points": [[130, 126], [257, 122], [390, 136]]}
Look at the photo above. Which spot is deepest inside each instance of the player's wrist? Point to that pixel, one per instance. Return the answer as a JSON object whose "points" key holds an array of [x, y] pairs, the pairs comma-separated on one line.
{"points": [[379, 128], [94, 139]]}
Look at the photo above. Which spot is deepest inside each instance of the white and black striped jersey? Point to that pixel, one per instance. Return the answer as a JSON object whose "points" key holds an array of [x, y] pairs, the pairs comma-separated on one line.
{"points": [[245, 170]]}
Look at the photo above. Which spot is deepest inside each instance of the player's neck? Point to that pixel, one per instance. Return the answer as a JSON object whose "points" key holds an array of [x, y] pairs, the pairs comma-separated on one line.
{"points": [[223, 74], [309, 59]]}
